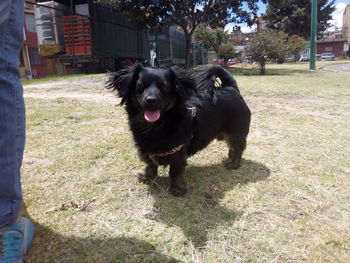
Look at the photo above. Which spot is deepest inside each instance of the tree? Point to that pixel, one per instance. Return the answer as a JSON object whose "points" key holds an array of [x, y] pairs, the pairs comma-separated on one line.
{"points": [[269, 44], [189, 14], [295, 44], [237, 37], [212, 39], [226, 51], [294, 16]]}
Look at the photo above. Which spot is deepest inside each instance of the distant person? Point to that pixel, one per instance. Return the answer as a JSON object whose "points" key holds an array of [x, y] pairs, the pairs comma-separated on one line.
{"points": [[16, 232]]}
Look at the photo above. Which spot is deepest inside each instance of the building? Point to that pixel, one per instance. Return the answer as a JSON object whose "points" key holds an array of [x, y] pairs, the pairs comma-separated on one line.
{"points": [[337, 42], [346, 23], [240, 40], [32, 65], [88, 36], [261, 24], [335, 46], [346, 29], [333, 35]]}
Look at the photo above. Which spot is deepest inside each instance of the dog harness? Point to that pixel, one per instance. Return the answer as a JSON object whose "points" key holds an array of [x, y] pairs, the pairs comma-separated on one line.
{"points": [[152, 156], [193, 111]]}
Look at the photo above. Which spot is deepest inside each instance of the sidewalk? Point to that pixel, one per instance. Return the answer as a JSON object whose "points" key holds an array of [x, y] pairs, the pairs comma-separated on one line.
{"points": [[339, 67]]}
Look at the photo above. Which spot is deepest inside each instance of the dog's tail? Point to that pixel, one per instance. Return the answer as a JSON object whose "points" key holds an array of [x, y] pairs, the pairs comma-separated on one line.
{"points": [[212, 79]]}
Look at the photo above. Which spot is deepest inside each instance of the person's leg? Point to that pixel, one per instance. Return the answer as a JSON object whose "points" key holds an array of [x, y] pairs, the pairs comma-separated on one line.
{"points": [[12, 116], [16, 233]]}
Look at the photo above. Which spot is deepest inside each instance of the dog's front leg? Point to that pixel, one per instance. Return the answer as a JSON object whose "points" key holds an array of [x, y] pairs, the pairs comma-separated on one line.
{"points": [[151, 172], [176, 173]]}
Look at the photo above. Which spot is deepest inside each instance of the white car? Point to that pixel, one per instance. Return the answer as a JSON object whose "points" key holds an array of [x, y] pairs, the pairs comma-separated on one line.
{"points": [[327, 56]]}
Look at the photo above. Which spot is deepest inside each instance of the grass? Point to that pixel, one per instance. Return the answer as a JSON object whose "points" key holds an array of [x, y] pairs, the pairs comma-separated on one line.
{"points": [[289, 202], [245, 69], [49, 79]]}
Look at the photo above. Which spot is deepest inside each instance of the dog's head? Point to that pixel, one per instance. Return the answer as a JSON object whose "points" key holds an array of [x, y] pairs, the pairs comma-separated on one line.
{"points": [[154, 91]]}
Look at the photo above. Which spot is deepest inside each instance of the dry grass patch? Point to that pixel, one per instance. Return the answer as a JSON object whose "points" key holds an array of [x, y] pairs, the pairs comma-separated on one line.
{"points": [[289, 202]]}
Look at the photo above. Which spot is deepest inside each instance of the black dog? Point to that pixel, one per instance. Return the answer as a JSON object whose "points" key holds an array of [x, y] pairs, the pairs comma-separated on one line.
{"points": [[173, 116]]}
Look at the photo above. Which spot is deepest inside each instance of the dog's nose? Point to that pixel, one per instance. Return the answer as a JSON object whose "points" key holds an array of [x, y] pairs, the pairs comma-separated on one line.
{"points": [[151, 100]]}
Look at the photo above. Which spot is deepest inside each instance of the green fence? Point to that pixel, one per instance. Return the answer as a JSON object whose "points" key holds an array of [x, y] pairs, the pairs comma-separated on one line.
{"points": [[115, 35]]}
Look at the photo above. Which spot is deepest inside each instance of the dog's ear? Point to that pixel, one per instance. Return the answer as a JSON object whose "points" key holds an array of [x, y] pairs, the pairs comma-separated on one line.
{"points": [[183, 83], [123, 81]]}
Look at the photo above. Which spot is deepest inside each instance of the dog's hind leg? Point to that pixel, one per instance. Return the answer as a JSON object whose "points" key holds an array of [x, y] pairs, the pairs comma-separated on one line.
{"points": [[236, 145], [151, 172]]}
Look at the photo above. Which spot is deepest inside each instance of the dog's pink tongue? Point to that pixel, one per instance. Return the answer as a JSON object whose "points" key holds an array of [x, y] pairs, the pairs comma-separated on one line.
{"points": [[152, 116]]}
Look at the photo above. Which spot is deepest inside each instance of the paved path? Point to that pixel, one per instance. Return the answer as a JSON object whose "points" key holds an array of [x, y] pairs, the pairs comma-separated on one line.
{"points": [[339, 67]]}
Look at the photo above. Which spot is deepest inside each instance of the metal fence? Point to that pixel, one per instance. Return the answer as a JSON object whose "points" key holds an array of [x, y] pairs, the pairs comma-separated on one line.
{"points": [[199, 55], [88, 37], [167, 47]]}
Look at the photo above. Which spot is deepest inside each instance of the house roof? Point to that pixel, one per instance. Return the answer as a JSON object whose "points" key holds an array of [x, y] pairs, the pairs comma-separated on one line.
{"points": [[332, 40]]}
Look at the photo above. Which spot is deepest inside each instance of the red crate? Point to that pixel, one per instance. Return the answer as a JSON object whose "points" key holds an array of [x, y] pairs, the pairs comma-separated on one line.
{"points": [[78, 49], [77, 34]]}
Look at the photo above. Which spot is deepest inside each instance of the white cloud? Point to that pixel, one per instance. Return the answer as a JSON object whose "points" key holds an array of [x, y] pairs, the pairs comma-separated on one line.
{"points": [[338, 15], [229, 27], [244, 28], [247, 29]]}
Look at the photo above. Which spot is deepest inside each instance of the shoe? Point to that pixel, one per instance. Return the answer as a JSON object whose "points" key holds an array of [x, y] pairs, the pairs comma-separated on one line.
{"points": [[15, 240]]}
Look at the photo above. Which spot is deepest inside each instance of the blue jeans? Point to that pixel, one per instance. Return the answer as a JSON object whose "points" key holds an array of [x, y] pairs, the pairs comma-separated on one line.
{"points": [[12, 110]]}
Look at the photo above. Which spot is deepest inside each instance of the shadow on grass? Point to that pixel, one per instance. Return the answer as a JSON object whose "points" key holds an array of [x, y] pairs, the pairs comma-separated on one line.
{"points": [[198, 212], [51, 247]]}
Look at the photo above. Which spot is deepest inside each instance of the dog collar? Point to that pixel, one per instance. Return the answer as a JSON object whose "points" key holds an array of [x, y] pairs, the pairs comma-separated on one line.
{"points": [[153, 156]]}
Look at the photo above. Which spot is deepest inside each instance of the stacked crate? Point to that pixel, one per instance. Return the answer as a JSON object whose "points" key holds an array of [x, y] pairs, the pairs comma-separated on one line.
{"points": [[77, 34]]}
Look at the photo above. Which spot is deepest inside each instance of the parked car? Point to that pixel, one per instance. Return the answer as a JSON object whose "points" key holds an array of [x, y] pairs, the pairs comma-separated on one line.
{"points": [[231, 62], [318, 56], [304, 57], [248, 59], [290, 58], [327, 56], [220, 62]]}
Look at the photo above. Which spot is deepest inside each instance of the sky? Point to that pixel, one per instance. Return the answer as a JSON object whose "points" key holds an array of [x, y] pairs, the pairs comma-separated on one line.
{"points": [[337, 16]]}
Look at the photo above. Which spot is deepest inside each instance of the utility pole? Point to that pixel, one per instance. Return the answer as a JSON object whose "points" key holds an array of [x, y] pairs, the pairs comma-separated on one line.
{"points": [[313, 34]]}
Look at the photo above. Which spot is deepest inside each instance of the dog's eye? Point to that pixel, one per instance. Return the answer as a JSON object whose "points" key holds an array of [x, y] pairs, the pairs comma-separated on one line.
{"points": [[139, 87]]}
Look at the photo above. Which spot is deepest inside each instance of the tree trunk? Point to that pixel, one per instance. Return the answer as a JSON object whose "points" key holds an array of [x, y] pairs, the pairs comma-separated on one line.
{"points": [[262, 67], [225, 61], [188, 51], [216, 50]]}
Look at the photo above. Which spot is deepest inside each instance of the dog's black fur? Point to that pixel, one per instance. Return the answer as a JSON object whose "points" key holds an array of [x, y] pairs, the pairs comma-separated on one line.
{"points": [[184, 115]]}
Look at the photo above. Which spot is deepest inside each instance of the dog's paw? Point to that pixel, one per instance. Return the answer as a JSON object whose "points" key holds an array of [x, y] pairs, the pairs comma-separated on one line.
{"points": [[144, 179], [178, 190], [232, 165]]}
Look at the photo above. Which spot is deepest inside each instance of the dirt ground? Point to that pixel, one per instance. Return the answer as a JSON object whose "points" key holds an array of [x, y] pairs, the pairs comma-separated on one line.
{"points": [[72, 88]]}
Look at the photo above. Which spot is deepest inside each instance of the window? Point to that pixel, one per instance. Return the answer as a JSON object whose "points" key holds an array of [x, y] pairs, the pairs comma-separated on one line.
{"points": [[30, 22], [329, 49], [35, 57]]}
